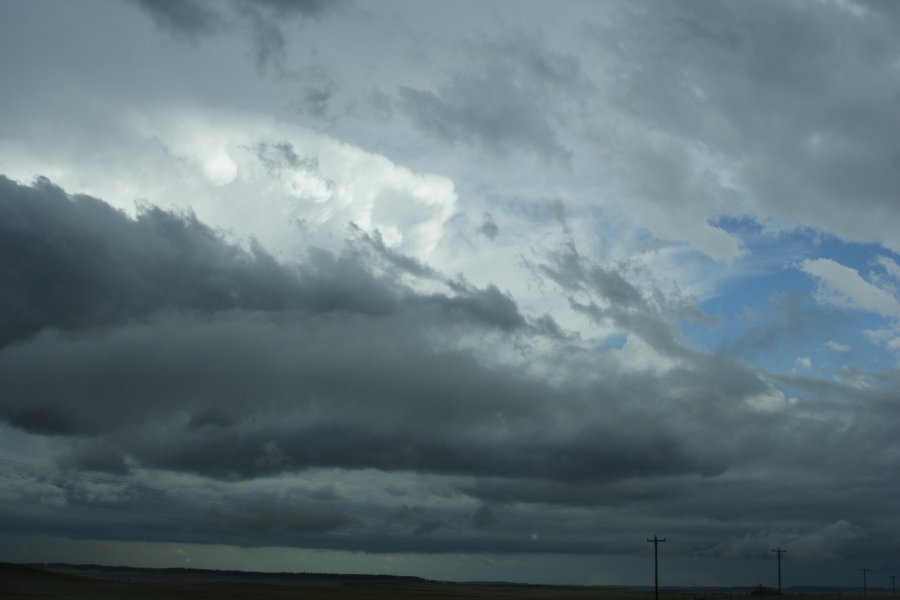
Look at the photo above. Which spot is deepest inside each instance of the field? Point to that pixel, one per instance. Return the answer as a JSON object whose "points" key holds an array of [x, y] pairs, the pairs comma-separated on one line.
{"points": [[23, 582], [62, 583]]}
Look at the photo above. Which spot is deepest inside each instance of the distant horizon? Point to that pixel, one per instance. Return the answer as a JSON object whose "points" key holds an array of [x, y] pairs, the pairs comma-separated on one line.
{"points": [[191, 557], [316, 574]]}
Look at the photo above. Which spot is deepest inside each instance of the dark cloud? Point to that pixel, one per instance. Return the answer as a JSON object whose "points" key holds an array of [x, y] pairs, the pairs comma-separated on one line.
{"points": [[157, 322], [269, 44], [154, 345], [629, 492], [399, 263], [489, 305], [488, 226], [510, 101], [91, 455], [407, 406], [278, 156], [317, 97], [606, 295], [43, 421], [306, 8], [428, 527], [188, 18], [263, 19], [793, 98], [484, 517], [792, 320], [75, 262], [486, 111], [277, 515], [116, 508]]}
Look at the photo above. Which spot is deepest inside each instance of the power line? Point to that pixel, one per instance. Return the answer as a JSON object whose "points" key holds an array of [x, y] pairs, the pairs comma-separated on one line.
{"points": [[779, 551], [656, 541]]}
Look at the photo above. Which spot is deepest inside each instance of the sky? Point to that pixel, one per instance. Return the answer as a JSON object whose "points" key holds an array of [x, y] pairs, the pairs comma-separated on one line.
{"points": [[487, 290]]}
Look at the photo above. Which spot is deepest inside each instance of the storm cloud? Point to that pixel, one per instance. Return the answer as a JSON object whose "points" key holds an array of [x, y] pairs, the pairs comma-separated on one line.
{"points": [[165, 346], [507, 286], [192, 325]]}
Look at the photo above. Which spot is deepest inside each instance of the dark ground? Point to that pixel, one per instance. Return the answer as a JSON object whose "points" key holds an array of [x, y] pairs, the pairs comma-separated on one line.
{"points": [[17, 581], [65, 582]]}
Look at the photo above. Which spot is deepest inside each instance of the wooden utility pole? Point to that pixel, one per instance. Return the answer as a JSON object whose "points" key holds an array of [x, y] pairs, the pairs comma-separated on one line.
{"points": [[779, 551], [893, 585], [865, 587], [656, 542]]}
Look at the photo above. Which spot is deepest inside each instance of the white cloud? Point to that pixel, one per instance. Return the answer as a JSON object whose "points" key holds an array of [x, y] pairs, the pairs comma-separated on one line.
{"points": [[851, 375], [891, 266], [844, 287], [804, 362], [333, 184], [827, 542], [771, 400], [638, 355], [209, 162], [837, 346], [888, 337]]}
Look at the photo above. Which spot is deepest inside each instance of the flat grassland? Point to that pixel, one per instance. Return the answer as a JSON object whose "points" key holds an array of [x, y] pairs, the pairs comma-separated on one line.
{"points": [[18, 581], [24, 582]]}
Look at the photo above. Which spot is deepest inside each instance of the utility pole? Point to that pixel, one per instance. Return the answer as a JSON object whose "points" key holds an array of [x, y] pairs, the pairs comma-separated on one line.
{"points": [[893, 585], [779, 551], [865, 587], [656, 542]]}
